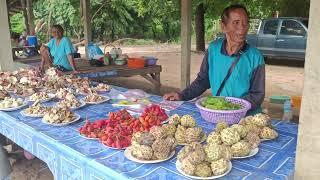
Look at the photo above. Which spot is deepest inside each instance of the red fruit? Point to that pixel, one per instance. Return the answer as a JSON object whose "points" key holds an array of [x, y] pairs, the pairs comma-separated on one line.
{"points": [[83, 131], [90, 129], [93, 135], [99, 123], [109, 141], [108, 129], [87, 123], [111, 115], [104, 138], [118, 145], [145, 123], [95, 126]]}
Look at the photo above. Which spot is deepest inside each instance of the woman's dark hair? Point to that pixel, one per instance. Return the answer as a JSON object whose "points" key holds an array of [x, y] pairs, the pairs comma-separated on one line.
{"points": [[58, 27], [226, 12], [15, 35]]}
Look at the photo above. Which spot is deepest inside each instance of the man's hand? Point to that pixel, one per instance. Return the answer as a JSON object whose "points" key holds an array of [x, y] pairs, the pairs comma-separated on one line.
{"points": [[173, 96]]}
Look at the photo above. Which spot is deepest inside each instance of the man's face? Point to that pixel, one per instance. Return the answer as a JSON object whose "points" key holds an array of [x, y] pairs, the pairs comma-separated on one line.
{"points": [[56, 33], [236, 27]]}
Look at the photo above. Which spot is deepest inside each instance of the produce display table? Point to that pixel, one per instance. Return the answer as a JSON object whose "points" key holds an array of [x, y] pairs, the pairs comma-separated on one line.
{"points": [[70, 156], [150, 73]]}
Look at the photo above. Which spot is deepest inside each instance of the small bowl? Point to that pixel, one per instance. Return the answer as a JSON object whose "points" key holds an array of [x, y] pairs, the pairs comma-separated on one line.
{"points": [[150, 61], [120, 62]]}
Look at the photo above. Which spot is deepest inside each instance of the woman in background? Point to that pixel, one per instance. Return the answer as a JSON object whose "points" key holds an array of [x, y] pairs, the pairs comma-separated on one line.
{"points": [[58, 52]]}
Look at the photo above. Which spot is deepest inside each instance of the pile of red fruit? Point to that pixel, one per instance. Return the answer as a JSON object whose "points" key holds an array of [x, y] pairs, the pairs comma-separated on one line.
{"points": [[153, 115], [92, 130], [116, 131]]}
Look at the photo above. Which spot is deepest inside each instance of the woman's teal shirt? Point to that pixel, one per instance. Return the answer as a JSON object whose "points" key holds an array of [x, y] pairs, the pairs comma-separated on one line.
{"points": [[60, 52]]}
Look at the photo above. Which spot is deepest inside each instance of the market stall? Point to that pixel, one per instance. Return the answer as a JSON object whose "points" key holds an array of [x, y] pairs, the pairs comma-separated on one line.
{"points": [[71, 155]]}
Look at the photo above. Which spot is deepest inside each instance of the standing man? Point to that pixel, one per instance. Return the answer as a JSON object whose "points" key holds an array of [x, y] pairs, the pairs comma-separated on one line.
{"points": [[247, 77]]}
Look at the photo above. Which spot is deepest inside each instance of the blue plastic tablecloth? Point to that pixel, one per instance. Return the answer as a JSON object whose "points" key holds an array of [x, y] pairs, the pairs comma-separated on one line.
{"points": [[70, 156]]}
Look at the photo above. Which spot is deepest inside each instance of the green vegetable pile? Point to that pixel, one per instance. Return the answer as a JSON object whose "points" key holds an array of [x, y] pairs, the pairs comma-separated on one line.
{"points": [[219, 103]]}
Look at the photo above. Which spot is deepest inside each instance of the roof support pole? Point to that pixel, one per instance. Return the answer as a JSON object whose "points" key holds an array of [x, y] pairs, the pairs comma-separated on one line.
{"points": [[308, 149], [185, 42], [85, 5], [6, 59]]}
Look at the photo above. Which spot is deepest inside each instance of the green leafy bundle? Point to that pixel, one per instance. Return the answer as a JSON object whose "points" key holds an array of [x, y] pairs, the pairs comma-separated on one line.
{"points": [[219, 103]]}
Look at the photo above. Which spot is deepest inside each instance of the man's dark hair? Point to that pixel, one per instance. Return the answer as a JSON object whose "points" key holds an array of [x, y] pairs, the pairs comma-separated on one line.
{"points": [[226, 12], [58, 27]]}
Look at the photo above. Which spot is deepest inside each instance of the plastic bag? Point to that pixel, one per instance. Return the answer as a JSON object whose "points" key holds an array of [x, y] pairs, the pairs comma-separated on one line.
{"points": [[136, 94], [93, 51]]}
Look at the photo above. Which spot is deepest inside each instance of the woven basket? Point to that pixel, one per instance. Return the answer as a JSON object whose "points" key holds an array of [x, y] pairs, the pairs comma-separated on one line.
{"points": [[229, 116]]}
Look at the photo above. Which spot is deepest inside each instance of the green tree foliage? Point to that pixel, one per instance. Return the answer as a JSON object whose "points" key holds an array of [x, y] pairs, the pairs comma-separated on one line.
{"points": [[148, 19], [298, 8], [17, 23]]}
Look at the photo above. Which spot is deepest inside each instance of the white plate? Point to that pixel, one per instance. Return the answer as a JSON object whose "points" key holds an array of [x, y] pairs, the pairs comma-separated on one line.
{"points": [[77, 118], [51, 96], [178, 164], [74, 108], [14, 108], [267, 139], [113, 147], [165, 121], [128, 155], [203, 139], [81, 105], [30, 115], [88, 137], [106, 98], [252, 153]]}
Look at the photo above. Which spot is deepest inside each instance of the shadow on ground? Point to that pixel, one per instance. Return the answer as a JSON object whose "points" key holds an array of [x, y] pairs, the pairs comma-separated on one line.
{"points": [[285, 62]]}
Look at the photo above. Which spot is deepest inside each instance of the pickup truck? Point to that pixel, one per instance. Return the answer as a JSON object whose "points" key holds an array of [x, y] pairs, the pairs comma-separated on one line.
{"points": [[283, 37]]}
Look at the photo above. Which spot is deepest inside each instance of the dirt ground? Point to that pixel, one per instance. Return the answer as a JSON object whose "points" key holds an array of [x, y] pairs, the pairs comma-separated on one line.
{"points": [[283, 77]]}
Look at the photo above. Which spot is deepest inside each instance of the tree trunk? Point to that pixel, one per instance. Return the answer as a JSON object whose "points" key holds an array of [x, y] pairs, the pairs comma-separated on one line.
{"points": [[30, 17], [199, 22], [49, 25], [24, 10], [154, 31]]}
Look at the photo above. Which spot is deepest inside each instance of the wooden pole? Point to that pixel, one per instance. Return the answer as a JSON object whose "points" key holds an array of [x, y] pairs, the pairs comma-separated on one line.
{"points": [[87, 23], [30, 16], [6, 59], [185, 42], [308, 148]]}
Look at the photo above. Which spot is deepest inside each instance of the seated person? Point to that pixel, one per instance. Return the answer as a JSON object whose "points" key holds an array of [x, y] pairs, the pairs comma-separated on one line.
{"points": [[58, 52], [14, 39], [23, 39]]}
